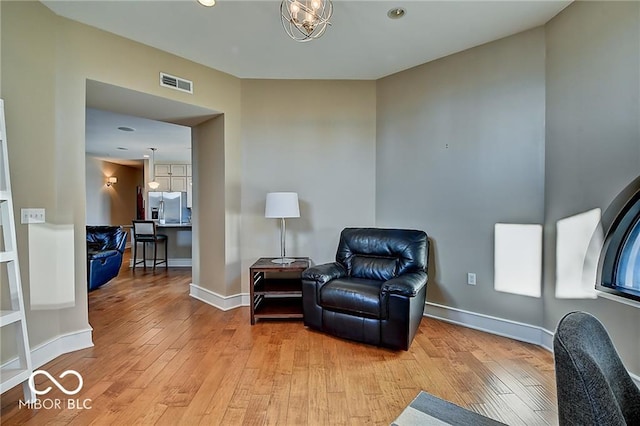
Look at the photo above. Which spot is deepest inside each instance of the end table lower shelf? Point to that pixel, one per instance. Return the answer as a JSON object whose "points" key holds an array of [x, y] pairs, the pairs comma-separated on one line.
{"points": [[276, 289], [279, 308]]}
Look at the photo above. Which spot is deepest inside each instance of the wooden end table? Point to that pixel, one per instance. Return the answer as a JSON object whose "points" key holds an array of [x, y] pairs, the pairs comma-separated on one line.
{"points": [[276, 290]]}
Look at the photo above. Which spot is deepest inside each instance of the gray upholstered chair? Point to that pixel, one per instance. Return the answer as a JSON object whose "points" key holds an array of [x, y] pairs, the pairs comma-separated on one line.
{"points": [[594, 388]]}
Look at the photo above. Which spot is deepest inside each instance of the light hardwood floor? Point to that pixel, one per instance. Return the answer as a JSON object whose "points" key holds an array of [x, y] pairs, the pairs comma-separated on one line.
{"points": [[161, 357]]}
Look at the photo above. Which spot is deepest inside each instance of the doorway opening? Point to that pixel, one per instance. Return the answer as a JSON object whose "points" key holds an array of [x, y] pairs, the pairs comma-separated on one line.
{"points": [[121, 127]]}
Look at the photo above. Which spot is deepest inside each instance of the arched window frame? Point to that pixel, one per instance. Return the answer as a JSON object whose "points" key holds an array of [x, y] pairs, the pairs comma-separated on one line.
{"points": [[622, 236]]}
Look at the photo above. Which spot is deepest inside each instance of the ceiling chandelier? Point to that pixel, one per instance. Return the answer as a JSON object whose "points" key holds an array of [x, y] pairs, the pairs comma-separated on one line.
{"points": [[305, 20]]}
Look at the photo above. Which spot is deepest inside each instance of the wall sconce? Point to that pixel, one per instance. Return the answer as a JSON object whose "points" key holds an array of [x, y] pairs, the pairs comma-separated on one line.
{"points": [[112, 180]]}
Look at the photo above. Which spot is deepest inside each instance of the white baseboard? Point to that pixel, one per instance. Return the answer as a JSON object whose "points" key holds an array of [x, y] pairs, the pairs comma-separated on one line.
{"points": [[502, 327], [214, 299], [499, 326], [547, 339], [173, 263], [60, 345]]}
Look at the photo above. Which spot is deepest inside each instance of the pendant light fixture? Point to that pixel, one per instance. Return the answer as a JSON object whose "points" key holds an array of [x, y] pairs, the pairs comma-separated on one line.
{"points": [[152, 164], [305, 20]]}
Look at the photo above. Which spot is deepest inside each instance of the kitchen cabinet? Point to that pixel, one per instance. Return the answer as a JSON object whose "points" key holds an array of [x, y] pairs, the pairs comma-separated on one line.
{"points": [[172, 169], [165, 183], [172, 177], [178, 183], [162, 169], [178, 170]]}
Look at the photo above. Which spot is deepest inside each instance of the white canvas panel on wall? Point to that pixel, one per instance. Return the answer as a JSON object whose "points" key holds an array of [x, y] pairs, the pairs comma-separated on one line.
{"points": [[518, 259], [578, 244], [51, 266]]}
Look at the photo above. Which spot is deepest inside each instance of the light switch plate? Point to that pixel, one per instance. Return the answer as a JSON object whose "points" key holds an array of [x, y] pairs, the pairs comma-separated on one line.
{"points": [[31, 216]]}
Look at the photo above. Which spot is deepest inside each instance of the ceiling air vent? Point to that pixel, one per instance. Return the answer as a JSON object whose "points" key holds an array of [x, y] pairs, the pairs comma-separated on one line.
{"points": [[173, 82]]}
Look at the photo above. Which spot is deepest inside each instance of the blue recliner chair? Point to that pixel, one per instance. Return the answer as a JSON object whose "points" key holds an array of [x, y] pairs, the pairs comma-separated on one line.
{"points": [[105, 249]]}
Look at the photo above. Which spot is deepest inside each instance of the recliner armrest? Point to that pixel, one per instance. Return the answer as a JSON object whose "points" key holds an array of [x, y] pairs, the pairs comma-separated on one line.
{"points": [[102, 254], [322, 274], [406, 285]]}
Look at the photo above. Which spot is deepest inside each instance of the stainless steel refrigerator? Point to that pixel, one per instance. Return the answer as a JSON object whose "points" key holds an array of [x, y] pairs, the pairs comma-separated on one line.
{"points": [[172, 204]]}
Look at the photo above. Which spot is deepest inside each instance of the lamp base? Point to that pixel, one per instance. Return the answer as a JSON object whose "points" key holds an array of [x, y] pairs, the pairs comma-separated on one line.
{"points": [[283, 260]]}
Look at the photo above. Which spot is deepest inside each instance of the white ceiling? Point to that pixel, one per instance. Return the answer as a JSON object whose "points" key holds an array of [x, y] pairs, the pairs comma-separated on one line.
{"points": [[246, 38], [158, 122], [105, 141]]}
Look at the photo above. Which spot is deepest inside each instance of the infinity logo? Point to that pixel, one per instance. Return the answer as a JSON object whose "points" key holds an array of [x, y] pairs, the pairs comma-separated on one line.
{"points": [[32, 384]]}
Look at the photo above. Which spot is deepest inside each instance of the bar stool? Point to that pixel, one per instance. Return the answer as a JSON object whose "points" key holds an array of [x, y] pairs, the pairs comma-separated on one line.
{"points": [[144, 231]]}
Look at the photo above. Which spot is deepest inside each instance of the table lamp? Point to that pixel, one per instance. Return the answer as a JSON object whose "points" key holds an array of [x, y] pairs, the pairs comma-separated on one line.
{"points": [[281, 205]]}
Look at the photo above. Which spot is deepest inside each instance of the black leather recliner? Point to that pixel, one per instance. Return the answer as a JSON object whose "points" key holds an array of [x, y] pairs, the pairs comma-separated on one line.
{"points": [[375, 290], [105, 249]]}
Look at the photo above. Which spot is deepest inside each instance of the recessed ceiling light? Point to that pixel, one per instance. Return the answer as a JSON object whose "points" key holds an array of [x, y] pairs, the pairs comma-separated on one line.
{"points": [[122, 148], [207, 3], [146, 155], [396, 13], [126, 129]]}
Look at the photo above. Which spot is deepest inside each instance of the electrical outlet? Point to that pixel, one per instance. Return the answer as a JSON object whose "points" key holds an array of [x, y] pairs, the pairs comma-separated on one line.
{"points": [[31, 216], [471, 278]]}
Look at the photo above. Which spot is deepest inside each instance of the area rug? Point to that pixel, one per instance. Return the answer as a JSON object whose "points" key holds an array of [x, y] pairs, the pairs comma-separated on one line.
{"points": [[428, 410]]}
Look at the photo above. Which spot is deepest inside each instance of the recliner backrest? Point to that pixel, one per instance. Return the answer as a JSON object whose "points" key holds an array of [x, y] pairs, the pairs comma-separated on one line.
{"points": [[108, 237], [381, 254]]}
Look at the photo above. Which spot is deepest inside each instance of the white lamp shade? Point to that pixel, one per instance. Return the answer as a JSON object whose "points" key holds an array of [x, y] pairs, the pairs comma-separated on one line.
{"points": [[282, 204]]}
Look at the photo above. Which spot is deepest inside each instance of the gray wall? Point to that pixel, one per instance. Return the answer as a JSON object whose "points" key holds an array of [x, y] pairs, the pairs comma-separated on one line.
{"points": [[460, 147], [316, 138], [45, 68], [533, 128], [592, 138], [353, 164], [208, 211]]}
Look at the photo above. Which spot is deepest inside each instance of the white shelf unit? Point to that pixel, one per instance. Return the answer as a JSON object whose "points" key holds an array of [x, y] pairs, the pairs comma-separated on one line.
{"points": [[12, 314]]}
